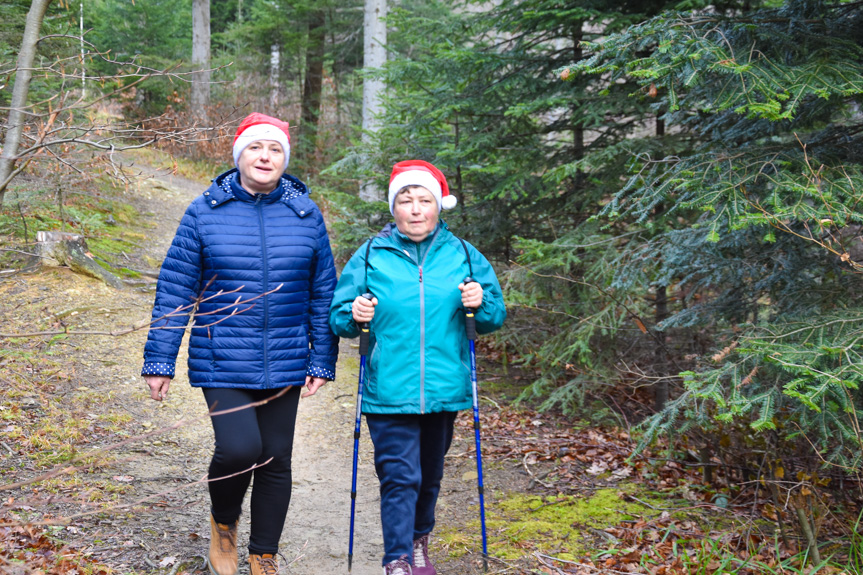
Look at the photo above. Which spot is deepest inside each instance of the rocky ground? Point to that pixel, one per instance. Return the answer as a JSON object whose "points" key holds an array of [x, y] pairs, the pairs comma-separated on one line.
{"points": [[159, 519]]}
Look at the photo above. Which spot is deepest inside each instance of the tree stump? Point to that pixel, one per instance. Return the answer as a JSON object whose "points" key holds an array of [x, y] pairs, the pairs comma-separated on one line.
{"points": [[65, 249]]}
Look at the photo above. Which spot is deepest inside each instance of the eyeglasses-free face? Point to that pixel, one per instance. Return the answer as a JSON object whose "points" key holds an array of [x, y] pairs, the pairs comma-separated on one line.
{"points": [[260, 166], [416, 212]]}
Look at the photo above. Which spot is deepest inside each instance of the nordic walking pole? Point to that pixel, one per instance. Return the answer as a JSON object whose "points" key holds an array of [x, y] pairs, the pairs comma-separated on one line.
{"points": [[470, 328], [364, 350]]}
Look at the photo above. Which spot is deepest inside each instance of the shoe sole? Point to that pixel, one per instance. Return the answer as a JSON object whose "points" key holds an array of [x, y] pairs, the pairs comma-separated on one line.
{"points": [[214, 572]]}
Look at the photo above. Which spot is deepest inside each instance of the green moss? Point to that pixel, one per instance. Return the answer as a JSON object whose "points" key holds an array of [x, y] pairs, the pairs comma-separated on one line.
{"points": [[107, 249], [126, 272], [551, 525], [108, 245]]}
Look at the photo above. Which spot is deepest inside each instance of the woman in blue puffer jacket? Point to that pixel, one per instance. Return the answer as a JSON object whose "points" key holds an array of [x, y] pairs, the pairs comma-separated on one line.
{"points": [[251, 262], [418, 373]]}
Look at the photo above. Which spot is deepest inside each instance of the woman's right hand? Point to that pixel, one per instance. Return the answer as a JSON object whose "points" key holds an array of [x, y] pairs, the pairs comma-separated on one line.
{"points": [[363, 309], [159, 385]]}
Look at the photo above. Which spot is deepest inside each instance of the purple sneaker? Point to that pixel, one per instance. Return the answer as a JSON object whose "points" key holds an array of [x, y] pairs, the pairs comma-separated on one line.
{"points": [[422, 563], [398, 567]]}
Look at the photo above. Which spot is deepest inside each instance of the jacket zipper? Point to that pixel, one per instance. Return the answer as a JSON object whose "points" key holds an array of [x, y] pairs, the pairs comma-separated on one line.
{"points": [[423, 325], [259, 207], [422, 335]]}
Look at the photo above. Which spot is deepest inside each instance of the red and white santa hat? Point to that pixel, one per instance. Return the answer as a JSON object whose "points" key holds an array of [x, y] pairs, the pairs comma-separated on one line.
{"points": [[419, 173], [256, 127]]}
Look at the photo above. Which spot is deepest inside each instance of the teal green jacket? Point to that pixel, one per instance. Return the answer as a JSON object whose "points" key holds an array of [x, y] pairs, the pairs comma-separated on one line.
{"points": [[418, 358]]}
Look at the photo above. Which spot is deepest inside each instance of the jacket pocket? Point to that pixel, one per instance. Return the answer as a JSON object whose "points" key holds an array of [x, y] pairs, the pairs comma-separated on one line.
{"points": [[201, 354], [211, 342]]}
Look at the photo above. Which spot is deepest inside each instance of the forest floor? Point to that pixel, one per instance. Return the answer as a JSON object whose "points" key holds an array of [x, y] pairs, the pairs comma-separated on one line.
{"points": [[97, 478]]}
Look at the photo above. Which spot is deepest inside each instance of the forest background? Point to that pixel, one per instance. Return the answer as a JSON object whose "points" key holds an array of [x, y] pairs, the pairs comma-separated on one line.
{"points": [[669, 190]]}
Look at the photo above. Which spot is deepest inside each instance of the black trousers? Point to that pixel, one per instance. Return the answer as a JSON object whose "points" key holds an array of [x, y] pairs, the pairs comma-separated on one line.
{"points": [[264, 436]]}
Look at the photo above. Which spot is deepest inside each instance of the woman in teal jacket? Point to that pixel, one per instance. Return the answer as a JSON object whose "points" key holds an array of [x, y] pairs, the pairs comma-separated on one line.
{"points": [[418, 373]]}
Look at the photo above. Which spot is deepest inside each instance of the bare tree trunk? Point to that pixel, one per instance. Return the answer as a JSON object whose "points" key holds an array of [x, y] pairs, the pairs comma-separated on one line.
{"points": [[374, 56], [15, 122], [275, 84], [314, 76], [201, 59]]}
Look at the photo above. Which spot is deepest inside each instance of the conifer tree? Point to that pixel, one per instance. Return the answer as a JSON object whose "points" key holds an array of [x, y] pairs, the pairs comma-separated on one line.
{"points": [[763, 188]]}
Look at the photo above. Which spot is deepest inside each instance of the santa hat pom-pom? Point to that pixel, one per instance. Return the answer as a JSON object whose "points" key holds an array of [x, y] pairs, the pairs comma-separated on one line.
{"points": [[448, 202]]}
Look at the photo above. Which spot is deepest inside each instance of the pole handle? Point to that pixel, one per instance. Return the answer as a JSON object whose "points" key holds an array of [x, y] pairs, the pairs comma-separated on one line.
{"points": [[364, 330], [469, 317]]}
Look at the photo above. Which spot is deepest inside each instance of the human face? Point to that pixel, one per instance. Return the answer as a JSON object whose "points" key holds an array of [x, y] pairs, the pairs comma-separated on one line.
{"points": [[416, 212], [261, 166]]}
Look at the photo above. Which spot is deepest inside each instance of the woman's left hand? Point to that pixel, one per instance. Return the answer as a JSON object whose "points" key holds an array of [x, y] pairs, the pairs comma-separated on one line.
{"points": [[313, 384], [471, 295]]}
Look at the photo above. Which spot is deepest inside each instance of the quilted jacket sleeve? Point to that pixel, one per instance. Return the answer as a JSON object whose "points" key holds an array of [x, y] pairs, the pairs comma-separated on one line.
{"points": [[492, 312], [351, 284], [324, 343], [179, 284]]}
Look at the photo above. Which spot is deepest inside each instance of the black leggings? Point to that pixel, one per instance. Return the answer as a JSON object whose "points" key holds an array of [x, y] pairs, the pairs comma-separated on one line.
{"points": [[249, 437]]}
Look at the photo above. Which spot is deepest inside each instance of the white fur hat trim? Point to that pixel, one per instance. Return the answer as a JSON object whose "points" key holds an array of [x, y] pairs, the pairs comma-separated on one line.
{"points": [[262, 132], [415, 178]]}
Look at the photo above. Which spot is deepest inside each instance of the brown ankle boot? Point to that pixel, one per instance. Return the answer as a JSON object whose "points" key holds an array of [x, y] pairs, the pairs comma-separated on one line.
{"points": [[222, 559], [264, 564]]}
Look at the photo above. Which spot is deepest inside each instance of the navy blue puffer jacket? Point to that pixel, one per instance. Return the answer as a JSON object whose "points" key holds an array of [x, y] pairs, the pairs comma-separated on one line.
{"points": [[230, 249]]}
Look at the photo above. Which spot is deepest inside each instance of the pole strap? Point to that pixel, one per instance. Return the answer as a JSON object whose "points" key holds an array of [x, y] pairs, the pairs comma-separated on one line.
{"points": [[463, 245], [467, 256]]}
